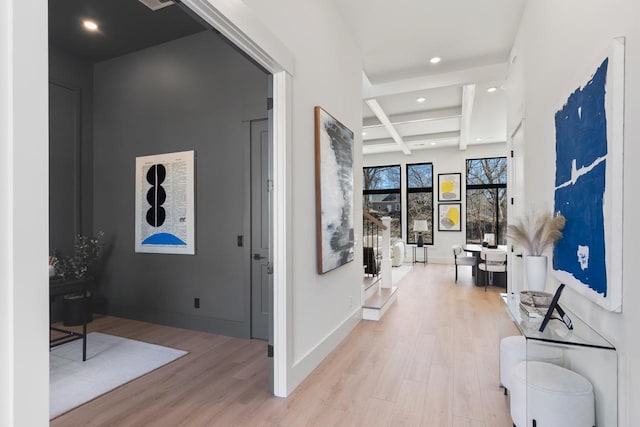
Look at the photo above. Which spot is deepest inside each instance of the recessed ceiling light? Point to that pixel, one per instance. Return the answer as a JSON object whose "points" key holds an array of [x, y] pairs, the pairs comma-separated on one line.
{"points": [[433, 143], [364, 133], [492, 89], [421, 99], [90, 25], [435, 60], [478, 139]]}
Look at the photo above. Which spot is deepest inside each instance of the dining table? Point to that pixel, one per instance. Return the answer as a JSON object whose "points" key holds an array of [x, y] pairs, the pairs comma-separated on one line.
{"points": [[499, 279]]}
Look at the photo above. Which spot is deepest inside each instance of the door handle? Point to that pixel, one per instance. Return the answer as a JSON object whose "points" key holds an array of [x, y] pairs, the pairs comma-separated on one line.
{"points": [[519, 255], [258, 257]]}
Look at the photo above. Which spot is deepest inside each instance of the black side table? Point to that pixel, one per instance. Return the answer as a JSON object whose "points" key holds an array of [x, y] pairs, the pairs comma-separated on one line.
{"points": [[424, 254]]}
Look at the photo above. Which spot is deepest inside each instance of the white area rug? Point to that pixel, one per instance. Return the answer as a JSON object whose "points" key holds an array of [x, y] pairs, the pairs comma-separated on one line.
{"points": [[111, 362], [398, 273]]}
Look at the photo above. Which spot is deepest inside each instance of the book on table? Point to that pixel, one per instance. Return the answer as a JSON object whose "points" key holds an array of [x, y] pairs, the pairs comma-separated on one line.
{"points": [[533, 311]]}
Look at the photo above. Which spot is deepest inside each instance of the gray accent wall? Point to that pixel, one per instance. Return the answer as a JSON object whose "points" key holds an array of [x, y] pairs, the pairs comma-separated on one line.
{"points": [[194, 93], [70, 76], [70, 154]]}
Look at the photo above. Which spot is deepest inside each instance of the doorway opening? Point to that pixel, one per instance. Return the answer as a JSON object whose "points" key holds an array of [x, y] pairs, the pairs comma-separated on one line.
{"points": [[112, 144]]}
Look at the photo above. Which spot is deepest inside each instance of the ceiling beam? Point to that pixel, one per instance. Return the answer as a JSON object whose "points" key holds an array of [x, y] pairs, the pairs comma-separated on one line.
{"points": [[382, 116], [468, 95], [487, 73], [418, 116], [366, 83]]}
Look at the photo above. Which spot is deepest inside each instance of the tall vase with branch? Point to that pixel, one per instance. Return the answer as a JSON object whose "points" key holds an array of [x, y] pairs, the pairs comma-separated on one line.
{"points": [[535, 233]]}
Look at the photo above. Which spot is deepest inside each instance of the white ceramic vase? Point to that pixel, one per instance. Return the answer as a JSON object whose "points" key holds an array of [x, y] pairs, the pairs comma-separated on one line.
{"points": [[536, 271]]}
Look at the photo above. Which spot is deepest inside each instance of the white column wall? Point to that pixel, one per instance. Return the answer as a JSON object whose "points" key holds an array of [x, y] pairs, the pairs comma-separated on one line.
{"points": [[24, 186], [321, 309], [561, 42]]}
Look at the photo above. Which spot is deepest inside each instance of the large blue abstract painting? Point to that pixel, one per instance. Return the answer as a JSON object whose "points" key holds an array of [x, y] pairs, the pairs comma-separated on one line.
{"points": [[588, 185]]}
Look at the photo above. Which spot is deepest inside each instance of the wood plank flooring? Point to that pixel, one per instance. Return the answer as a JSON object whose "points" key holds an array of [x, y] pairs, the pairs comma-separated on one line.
{"points": [[431, 361]]}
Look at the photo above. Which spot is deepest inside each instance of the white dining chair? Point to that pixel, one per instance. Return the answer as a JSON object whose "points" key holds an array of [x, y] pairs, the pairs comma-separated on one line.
{"points": [[492, 261], [461, 258]]}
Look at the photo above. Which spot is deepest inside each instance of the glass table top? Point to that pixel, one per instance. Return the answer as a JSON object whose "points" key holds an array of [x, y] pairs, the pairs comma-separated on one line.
{"points": [[556, 331]]}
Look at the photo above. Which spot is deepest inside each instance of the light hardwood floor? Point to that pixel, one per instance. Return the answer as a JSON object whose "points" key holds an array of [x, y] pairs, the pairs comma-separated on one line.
{"points": [[431, 361]]}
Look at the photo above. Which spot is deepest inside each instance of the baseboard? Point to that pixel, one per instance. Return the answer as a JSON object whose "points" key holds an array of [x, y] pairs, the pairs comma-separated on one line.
{"points": [[433, 260], [208, 324], [307, 363]]}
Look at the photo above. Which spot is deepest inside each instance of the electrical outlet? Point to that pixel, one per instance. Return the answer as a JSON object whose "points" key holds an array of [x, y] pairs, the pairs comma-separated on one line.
{"points": [[196, 303]]}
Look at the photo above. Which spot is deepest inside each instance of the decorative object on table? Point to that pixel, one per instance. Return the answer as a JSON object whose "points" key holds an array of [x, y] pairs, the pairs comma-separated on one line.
{"points": [[534, 233], [489, 240], [334, 192], [449, 187], [419, 226], [87, 251], [535, 303], [554, 306], [164, 211], [536, 298], [588, 181], [449, 217]]}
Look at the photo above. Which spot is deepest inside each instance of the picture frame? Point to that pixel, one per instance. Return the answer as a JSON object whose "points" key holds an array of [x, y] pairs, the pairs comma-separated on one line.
{"points": [[334, 192], [588, 180], [450, 217], [164, 203], [449, 187]]}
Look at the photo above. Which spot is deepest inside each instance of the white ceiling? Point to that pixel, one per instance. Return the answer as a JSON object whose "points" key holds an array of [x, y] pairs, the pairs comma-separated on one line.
{"points": [[398, 39]]}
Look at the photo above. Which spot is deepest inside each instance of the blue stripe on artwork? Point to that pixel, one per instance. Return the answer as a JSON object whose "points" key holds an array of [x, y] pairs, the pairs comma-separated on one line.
{"points": [[581, 126], [163, 239], [582, 204]]}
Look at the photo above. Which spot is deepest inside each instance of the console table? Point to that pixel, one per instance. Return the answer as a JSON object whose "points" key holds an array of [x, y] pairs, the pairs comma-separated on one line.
{"points": [[59, 288], [585, 352], [414, 249]]}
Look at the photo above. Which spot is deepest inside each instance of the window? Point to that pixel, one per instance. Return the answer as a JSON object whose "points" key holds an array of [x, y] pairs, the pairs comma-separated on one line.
{"points": [[420, 200], [381, 195], [487, 199]]}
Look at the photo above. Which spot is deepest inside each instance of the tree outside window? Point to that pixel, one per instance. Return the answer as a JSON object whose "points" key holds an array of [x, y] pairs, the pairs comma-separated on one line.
{"points": [[420, 200], [486, 199], [381, 195]]}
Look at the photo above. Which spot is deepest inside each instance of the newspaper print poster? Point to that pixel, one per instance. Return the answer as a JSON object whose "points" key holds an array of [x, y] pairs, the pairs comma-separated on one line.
{"points": [[165, 204]]}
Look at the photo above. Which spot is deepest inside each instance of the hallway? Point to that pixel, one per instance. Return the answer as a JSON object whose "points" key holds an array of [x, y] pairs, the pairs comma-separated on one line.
{"points": [[431, 361]]}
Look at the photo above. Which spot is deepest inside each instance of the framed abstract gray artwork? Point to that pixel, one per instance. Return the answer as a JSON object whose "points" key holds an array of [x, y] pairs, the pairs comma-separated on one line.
{"points": [[334, 192]]}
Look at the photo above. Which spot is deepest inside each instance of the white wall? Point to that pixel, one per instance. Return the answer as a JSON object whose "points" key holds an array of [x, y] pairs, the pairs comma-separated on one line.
{"points": [[322, 308], [24, 185], [445, 160], [561, 42]]}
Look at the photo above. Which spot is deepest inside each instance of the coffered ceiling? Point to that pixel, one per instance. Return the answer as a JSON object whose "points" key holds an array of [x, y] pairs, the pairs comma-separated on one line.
{"points": [[462, 97], [473, 39]]}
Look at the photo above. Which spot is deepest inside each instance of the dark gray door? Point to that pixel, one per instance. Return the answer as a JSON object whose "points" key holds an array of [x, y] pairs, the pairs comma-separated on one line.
{"points": [[260, 229]]}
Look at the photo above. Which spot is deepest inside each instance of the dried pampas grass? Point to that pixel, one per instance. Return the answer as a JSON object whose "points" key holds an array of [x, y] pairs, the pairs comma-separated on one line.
{"points": [[536, 232]]}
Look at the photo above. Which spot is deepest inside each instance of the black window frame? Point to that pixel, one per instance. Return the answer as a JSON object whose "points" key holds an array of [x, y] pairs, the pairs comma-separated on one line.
{"points": [[398, 191], [497, 187], [410, 190]]}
